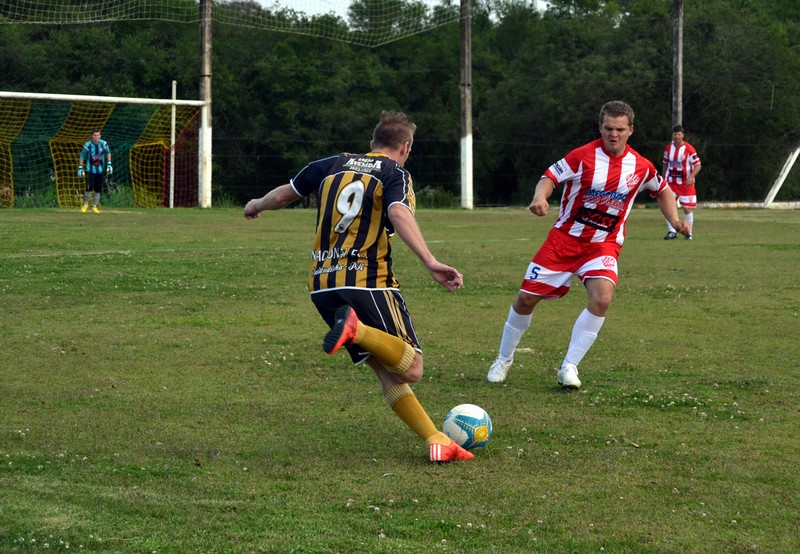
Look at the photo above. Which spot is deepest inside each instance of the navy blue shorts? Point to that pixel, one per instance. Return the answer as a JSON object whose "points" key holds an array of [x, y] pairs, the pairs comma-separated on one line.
{"points": [[383, 309], [94, 182]]}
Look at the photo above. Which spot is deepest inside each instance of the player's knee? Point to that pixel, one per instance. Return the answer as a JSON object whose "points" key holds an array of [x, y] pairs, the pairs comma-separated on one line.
{"points": [[525, 303], [415, 371], [599, 304]]}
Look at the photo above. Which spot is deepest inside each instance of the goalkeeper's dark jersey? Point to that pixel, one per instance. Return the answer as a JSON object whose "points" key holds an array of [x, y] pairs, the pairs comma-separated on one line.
{"points": [[95, 156], [353, 240]]}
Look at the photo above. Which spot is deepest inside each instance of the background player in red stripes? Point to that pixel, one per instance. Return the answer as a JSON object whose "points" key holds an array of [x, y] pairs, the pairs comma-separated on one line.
{"points": [[601, 180], [681, 164]]}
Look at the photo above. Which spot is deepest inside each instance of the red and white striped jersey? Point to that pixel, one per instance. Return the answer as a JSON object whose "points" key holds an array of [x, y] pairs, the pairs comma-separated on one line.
{"points": [[599, 190], [681, 160]]}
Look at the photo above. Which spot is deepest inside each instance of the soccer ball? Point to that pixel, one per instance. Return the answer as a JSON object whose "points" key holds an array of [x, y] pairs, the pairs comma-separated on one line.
{"points": [[469, 425]]}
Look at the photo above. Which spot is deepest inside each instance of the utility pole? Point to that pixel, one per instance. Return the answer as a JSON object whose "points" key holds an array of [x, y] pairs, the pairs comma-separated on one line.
{"points": [[204, 186], [466, 105], [677, 62]]}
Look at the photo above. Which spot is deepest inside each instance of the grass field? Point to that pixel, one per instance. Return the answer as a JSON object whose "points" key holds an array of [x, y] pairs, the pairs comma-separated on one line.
{"points": [[164, 390]]}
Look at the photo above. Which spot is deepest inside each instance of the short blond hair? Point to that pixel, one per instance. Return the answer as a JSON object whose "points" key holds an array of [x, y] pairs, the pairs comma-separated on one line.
{"points": [[393, 130]]}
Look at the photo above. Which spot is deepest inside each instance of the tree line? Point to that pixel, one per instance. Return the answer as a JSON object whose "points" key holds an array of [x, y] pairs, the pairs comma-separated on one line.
{"points": [[539, 79]]}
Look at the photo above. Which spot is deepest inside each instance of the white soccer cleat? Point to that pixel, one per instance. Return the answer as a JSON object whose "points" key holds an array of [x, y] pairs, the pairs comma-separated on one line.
{"points": [[568, 376], [499, 370]]}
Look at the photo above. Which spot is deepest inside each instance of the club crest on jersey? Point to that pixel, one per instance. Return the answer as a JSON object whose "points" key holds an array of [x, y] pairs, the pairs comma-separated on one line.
{"points": [[632, 181], [608, 261]]}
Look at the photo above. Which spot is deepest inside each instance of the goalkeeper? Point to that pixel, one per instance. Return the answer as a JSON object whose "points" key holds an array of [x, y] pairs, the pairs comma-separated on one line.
{"points": [[94, 164], [364, 199]]}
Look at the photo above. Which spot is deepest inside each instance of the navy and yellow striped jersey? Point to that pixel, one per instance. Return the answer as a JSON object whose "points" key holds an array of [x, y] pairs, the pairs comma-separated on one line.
{"points": [[353, 238]]}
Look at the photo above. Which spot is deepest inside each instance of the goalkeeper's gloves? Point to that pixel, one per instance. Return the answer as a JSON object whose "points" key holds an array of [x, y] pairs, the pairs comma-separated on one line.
{"points": [[80, 172], [109, 169]]}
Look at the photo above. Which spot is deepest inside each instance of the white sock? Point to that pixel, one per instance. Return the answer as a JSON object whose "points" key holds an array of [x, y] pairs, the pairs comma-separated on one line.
{"points": [[584, 333], [515, 327], [689, 218], [670, 228]]}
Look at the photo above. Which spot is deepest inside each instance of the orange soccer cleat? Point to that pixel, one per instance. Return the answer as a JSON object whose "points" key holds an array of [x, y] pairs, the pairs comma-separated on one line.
{"points": [[343, 331], [449, 453]]}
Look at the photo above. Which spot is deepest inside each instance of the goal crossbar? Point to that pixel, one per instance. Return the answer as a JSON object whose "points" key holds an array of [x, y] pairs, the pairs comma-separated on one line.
{"points": [[109, 99]]}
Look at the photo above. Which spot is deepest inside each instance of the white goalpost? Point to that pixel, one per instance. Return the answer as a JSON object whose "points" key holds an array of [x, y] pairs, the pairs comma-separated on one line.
{"points": [[776, 186], [41, 134], [769, 201]]}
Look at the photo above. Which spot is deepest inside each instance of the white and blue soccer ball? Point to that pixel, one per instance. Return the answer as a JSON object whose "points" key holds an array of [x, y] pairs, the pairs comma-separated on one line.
{"points": [[469, 425]]}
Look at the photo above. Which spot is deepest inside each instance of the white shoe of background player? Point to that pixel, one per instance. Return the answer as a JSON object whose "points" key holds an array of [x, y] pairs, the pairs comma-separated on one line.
{"points": [[499, 370], [568, 376]]}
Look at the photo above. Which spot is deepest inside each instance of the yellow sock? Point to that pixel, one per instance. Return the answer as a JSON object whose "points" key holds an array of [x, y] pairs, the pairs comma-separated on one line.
{"points": [[405, 404], [394, 353]]}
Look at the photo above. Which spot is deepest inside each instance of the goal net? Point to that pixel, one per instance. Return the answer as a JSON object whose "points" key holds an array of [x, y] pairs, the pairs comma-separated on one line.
{"points": [[41, 138], [365, 22]]}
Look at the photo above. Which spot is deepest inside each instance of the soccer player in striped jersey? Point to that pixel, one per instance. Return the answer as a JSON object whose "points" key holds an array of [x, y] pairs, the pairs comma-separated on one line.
{"points": [[94, 164], [364, 199], [601, 180], [680, 166]]}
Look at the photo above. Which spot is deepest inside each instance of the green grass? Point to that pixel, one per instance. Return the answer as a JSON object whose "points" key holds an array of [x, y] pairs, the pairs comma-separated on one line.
{"points": [[164, 390]]}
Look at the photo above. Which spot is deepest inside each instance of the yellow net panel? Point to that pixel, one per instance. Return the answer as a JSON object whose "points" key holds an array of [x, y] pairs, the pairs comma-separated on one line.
{"points": [[83, 117], [150, 160], [41, 142], [14, 115]]}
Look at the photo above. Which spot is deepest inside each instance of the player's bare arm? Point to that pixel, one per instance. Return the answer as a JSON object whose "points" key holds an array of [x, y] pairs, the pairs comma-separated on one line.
{"points": [[405, 224], [666, 203], [540, 203], [693, 174], [275, 199]]}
